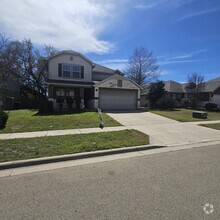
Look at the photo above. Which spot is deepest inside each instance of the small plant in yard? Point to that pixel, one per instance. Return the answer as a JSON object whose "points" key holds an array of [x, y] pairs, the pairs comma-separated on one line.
{"points": [[3, 119]]}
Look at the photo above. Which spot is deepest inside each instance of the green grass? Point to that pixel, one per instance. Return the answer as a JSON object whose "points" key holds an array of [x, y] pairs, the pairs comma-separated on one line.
{"points": [[26, 148], [29, 120], [185, 115], [213, 126]]}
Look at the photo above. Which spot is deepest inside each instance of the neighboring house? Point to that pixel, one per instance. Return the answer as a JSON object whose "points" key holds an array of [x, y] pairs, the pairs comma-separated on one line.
{"points": [[210, 91], [178, 91], [175, 90], [213, 88], [72, 76], [9, 94]]}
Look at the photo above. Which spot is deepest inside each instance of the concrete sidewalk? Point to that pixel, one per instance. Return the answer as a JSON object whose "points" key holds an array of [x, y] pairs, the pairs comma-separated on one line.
{"points": [[59, 132], [164, 131]]}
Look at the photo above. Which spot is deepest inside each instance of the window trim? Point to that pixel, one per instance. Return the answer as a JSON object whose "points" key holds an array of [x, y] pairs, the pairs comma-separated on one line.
{"points": [[76, 71], [63, 70], [71, 71]]}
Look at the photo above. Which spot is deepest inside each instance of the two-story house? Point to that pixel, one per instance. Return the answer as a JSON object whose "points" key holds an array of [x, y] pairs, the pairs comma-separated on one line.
{"points": [[178, 91], [72, 76]]}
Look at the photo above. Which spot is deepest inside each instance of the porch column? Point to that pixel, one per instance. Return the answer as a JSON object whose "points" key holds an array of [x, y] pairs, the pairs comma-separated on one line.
{"points": [[82, 105], [96, 97], [50, 91]]}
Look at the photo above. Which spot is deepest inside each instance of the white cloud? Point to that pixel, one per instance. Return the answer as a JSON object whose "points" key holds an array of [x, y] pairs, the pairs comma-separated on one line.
{"points": [[177, 61], [114, 61], [119, 64], [167, 72], [181, 58], [186, 55], [197, 13], [165, 5], [146, 6], [66, 24]]}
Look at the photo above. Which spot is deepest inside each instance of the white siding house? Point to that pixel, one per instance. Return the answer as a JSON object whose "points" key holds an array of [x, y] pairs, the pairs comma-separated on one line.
{"points": [[75, 81]]}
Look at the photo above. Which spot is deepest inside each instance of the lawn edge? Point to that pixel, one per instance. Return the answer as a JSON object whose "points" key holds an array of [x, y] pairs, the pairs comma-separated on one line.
{"points": [[210, 126], [76, 156]]}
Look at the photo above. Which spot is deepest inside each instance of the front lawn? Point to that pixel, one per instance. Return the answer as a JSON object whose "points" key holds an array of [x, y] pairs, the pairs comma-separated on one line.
{"points": [[29, 120], [213, 126], [185, 115], [27, 148]]}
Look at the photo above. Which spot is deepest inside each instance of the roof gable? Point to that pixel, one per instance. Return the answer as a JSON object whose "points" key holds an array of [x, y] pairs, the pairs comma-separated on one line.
{"points": [[71, 52], [117, 76], [217, 91]]}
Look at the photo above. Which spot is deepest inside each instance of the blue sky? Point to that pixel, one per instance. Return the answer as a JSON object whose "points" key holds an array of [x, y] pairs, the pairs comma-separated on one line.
{"points": [[184, 35]]}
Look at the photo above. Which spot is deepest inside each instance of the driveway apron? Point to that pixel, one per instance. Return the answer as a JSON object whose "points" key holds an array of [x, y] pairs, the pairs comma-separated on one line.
{"points": [[164, 131]]}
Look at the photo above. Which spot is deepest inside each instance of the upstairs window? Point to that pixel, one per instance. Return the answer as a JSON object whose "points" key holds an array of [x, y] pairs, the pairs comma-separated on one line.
{"points": [[71, 71], [76, 71], [66, 70]]}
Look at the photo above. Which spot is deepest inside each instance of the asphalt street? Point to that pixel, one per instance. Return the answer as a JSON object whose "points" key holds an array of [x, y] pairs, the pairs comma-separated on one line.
{"points": [[174, 185]]}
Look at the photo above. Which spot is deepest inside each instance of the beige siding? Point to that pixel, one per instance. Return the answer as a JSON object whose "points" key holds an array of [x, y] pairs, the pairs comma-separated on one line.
{"points": [[113, 83], [65, 58]]}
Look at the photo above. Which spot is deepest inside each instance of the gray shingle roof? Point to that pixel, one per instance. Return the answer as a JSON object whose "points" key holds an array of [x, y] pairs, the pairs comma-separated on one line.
{"points": [[172, 86], [212, 85], [102, 69]]}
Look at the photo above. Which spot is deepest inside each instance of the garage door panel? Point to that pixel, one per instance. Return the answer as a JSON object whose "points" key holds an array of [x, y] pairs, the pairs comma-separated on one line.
{"points": [[117, 99]]}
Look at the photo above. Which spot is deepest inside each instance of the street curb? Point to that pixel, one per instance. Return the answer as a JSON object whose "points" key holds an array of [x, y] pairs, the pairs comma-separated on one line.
{"points": [[53, 159]]}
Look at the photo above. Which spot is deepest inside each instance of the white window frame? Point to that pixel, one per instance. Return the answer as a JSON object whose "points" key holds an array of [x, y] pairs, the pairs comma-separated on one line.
{"points": [[73, 70], [78, 71], [64, 70]]}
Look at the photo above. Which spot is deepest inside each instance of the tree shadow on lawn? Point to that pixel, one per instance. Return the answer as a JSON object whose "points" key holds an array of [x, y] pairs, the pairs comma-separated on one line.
{"points": [[63, 113], [165, 110]]}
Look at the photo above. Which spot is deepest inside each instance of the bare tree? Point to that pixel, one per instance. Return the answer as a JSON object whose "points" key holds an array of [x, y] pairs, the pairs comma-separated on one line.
{"points": [[142, 66], [49, 50], [195, 87], [9, 59], [3, 41], [21, 61], [32, 71]]}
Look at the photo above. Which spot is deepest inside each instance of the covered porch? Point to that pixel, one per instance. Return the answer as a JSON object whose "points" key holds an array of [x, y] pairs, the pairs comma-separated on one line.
{"points": [[68, 96]]}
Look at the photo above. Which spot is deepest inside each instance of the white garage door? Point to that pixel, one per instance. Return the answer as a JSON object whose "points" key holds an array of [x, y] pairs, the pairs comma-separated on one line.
{"points": [[117, 99]]}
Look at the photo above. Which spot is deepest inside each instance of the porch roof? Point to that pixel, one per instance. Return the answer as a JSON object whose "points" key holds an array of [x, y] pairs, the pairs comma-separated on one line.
{"points": [[67, 82]]}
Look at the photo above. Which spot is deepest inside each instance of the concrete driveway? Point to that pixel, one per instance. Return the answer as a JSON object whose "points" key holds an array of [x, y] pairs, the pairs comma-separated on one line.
{"points": [[164, 131]]}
